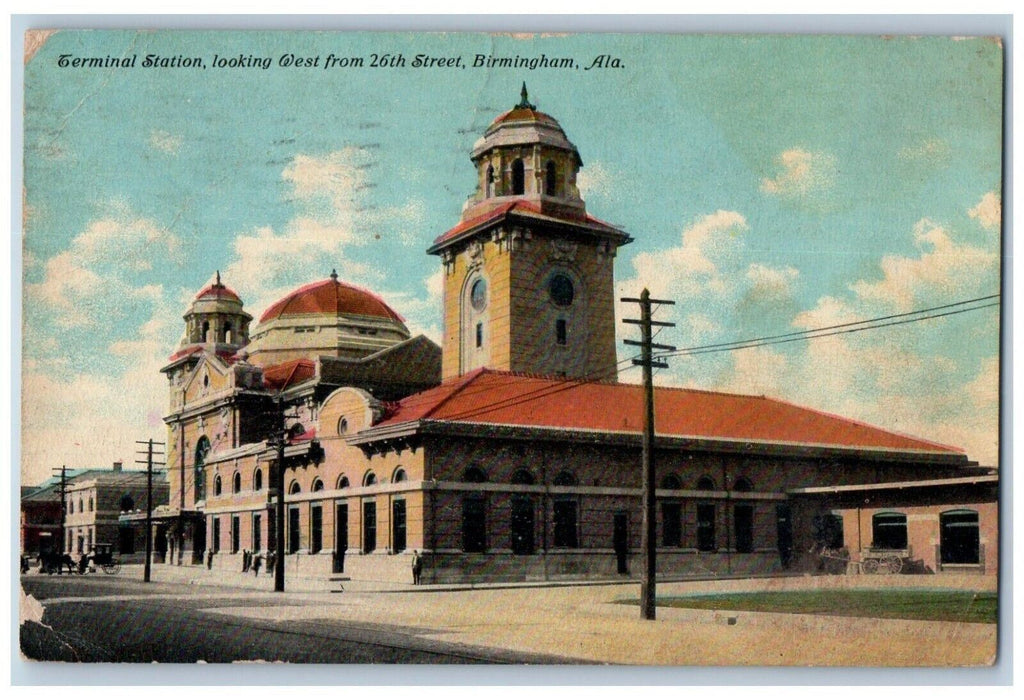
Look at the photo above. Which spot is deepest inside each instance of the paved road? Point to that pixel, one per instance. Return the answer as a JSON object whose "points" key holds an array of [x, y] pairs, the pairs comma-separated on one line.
{"points": [[98, 618]]}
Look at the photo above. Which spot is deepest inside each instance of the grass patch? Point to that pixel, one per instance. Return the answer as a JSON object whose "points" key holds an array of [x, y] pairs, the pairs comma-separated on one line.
{"points": [[901, 604]]}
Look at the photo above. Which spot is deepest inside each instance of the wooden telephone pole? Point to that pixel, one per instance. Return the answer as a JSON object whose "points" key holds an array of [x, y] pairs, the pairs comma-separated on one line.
{"points": [[149, 499], [649, 538]]}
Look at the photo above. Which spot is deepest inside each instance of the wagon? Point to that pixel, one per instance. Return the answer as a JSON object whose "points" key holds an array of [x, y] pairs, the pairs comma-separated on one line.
{"points": [[103, 557], [877, 560]]}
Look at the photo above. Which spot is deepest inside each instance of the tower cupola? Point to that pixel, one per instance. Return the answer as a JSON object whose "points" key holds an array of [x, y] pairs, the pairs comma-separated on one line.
{"points": [[216, 317], [525, 154]]}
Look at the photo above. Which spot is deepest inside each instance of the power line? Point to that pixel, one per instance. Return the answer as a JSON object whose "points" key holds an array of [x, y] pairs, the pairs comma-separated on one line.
{"points": [[825, 331]]}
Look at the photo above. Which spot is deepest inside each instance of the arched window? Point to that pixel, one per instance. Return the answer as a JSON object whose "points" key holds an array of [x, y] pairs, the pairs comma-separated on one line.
{"points": [[705, 483], [399, 475], [342, 425], [743, 485], [474, 475], [889, 530], [80, 508], [236, 483], [318, 485], [828, 530], [565, 478], [199, 479], [550, 178], [523, 477], [206, 332], [671, 482], [227, 332], [294, 488], [90, 504], [518, 177], [370, 479], [71, 506], [959, 537], [216, 485], [489, 182], [343, 482], [257, 480], [127, 503], [296, 430]]}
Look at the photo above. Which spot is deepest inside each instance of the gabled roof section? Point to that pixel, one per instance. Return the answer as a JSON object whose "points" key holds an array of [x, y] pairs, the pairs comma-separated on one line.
{"points": [[517, 400], [525, 209], [286, 374]]}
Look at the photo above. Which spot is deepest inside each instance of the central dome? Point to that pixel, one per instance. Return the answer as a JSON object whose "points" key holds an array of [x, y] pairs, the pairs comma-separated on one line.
{"points": [[325, 318], [332, 298]]}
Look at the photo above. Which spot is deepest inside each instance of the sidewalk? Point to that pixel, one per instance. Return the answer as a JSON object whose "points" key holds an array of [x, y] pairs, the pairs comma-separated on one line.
{"points": [[589, 622]]}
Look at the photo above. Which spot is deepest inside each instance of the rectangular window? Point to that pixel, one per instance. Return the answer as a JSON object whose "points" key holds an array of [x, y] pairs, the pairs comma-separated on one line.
{"points": [[522, 525], [126, 539], [215, 544], [316, 529], [743, 518], [271, 531], [889, 531], [671, 524], [474, 525], [479, 335], [565, 524], [294, 530], [257, 534], [398, 526], [369, 526], [236, 533], [706, 527], [560, 331]]}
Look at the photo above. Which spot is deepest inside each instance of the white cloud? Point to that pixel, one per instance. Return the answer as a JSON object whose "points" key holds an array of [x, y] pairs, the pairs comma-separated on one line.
{"points": [[989, 211], [902, 380], [926, 150], [165, 142], [87, 281], [596, 179], [945, 270], [85, 419], [802, 173], [692, 268], [771, 283]]}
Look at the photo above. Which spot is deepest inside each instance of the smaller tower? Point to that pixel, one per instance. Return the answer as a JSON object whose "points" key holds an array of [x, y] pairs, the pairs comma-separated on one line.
{"points": [[216, 319]]}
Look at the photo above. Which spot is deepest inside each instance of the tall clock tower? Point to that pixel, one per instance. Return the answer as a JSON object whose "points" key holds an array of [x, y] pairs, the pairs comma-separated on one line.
{"points": [[528, 274]]}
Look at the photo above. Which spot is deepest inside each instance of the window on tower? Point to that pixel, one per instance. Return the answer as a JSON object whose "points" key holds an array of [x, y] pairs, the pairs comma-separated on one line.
{"points": [[561, 290], [479, 335], [550, 178], [518, 177], [560, 332]]}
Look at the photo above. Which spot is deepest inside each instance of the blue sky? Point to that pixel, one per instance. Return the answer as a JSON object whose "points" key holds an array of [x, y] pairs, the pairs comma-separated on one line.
{"points": [[772, 184]]}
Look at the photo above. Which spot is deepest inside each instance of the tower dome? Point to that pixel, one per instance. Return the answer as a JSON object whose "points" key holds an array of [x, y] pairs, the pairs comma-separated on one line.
{"points": [[216, 317], [327, 317], [525, 155]]}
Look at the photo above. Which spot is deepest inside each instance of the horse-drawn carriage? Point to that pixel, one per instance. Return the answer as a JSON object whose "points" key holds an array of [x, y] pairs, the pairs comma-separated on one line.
{"points": [[101, 556]]}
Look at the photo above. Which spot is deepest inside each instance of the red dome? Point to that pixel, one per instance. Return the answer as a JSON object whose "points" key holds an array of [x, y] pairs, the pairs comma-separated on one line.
{"points": [[217, 291], [525, 114], [333, 298]]}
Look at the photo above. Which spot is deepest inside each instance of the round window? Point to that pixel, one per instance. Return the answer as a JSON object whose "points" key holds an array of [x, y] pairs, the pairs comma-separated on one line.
{"points": [[561, 290], [478, 295]]}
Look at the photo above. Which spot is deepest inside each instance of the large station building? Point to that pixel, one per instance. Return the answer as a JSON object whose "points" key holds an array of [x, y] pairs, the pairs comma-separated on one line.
{"points": [[513, 452]]}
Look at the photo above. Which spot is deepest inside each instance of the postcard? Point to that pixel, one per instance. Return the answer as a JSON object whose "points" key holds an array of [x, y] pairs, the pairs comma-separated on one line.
{"points": [[448, 348]]}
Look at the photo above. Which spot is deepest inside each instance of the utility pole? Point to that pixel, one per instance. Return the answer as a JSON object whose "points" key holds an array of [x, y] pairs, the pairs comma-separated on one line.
{"points": [[149, 501], [649, 534], [63, 507], [279, 438]]}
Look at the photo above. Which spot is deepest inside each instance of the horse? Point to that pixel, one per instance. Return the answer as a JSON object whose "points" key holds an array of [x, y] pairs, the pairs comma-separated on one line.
{"points": [[55, 561]]}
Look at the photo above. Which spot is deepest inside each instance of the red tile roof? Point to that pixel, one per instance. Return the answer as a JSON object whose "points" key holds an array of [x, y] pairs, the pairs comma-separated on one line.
{"points": [[283, 375], [520, 207], [503, 398], [217, 291], [330, 297], [524, 114], [226, 355]]}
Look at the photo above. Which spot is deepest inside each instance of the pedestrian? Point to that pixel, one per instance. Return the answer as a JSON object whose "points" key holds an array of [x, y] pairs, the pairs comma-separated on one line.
{"points": [[257, 559], [245, 560], [417, 567], [209, 558], [271, 561]]}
